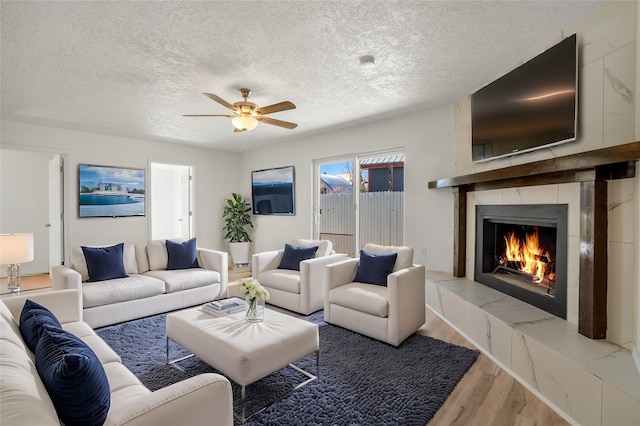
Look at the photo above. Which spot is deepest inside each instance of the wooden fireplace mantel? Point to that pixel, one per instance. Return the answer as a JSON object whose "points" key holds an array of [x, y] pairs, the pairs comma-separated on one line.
{"points": [[592, 169]]}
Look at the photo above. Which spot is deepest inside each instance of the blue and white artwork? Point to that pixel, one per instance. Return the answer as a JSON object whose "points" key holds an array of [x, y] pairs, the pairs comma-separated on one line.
{"points": [[105, 191], [272, 191]]}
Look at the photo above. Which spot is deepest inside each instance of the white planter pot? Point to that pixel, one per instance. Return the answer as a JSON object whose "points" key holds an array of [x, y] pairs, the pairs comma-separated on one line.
{"points": [[239, 253]]}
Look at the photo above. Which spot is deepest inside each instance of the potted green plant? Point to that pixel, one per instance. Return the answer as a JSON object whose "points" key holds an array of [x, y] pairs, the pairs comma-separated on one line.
{"points": [[237, 218]]}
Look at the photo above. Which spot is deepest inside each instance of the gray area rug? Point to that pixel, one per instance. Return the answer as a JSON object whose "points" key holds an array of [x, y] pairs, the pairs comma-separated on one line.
{"points": [[362, 381]]}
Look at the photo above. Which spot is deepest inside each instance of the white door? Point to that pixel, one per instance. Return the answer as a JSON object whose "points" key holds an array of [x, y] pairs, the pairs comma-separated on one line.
{"points": [[55, 223], [30, 172], [171, 195]]}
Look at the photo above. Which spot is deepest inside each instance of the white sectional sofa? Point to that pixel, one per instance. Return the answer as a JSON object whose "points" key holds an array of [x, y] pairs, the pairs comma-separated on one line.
{"points": [[25, 401], [148, 289]]}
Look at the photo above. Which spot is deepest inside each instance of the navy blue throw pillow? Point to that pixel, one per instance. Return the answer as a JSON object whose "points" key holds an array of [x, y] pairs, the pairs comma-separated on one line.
{"points": [[293, 255], [74, 378], [182, 255], [33, 318], [104, 263], [374, 269]]}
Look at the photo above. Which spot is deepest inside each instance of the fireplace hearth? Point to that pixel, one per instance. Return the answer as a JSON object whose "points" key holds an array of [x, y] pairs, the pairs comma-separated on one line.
{"points": [[521, 250]]}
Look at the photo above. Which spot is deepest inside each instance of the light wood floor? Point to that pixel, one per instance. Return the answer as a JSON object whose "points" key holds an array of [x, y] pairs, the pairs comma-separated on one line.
{"points": [[487, 395]]}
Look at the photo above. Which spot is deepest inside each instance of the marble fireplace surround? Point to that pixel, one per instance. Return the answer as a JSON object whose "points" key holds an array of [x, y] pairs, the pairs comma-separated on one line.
{"points": [[592, 170], [589, 382]]}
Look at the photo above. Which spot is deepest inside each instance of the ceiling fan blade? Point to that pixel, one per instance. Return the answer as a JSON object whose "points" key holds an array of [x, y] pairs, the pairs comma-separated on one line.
{"points": [[282, 106], [219, 100], [207, 115], [273, 121], [238, 130]]}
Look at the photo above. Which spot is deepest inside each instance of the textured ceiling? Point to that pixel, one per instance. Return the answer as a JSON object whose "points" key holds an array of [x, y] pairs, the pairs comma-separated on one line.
{"points": [[133, 68]]}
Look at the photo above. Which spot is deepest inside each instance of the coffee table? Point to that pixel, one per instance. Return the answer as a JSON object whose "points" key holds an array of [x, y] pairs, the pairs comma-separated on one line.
{"points": [[243, 351]]}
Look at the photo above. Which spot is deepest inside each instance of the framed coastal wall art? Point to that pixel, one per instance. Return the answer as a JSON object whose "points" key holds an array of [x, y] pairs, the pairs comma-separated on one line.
{"points": [[108, 191]]}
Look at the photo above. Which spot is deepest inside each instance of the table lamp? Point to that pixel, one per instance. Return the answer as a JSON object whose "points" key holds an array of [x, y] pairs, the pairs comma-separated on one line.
{"points": [[14, 250]]}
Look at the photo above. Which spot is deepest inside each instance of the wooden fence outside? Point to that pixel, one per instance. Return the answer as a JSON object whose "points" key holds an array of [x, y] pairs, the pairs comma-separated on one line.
{"points": [[381, 219]]}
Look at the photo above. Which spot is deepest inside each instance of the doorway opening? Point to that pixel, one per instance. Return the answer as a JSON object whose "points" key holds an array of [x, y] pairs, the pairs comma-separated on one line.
{"points": [[171, 215]]}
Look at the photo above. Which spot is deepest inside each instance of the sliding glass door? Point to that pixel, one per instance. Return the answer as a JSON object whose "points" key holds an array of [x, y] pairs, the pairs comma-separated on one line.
{"points": [[334, 210], [360, 200]]}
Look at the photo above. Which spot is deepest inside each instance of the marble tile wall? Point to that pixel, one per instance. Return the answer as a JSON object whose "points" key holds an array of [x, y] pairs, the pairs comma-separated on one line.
{"points": [[607, 99], [586, 381]]}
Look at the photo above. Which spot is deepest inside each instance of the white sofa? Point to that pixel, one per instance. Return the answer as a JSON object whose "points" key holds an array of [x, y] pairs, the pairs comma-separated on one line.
{"points": [[25, 401], [149, 289], [299, 291]]}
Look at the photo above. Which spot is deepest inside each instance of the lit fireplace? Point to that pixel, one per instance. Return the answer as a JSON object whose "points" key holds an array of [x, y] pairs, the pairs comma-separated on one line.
{"points": [[521, 251]]}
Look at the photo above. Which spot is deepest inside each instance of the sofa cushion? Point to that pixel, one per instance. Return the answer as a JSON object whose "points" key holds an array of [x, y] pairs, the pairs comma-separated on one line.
{"points": [[293, 255], [185, 279], [368, 298], [10, 334], [33, 318], [83, 331], [25, 400], [324, 246], [74, 378], [120, 290], [182, 255], [125, 386], [104, 263], [374, 269], [405, 254], [280, 279], [157, 252], [129, 257], [142, 258]]}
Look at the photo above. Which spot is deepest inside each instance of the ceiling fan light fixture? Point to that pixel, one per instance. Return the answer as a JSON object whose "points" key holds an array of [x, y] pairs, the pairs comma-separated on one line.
{"points": [[244, 122]]}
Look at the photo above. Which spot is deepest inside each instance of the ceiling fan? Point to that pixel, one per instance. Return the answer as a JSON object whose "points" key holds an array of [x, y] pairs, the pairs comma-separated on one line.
{"points": [[246, 115]]}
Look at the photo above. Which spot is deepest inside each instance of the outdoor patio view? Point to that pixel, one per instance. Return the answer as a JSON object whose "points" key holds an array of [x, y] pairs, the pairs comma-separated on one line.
{"points": [[380, 203]]}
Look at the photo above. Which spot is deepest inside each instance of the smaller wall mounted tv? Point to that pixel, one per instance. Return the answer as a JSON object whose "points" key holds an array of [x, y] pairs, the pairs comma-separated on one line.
{"points": [[531, 107], [272, 191]]}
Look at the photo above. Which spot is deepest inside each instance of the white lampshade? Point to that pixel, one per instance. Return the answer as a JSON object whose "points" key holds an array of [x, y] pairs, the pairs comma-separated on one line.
{"points": [[16, 248], [244, 122]]}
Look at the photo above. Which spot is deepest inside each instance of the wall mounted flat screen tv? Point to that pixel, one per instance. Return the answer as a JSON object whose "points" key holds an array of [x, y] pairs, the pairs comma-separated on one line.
{"points": [[531, 107], [272, 191], [107, 191]]}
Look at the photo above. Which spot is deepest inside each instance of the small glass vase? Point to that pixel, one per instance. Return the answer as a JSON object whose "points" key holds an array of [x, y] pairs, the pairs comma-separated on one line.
{"points": [[255, 309]]}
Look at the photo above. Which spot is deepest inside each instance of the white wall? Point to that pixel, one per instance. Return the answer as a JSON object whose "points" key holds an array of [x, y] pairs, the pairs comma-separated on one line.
{"points": [[216, 174], [426, 137], [636, 348]]}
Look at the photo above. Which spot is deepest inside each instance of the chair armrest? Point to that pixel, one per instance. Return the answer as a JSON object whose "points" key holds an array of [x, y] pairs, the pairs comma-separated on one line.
{"points": [[64, 304], [406, 297], [340, 273], [313, 270], [265, 261], [312, 281], [407, 285], [64, 277], [218, 261], [205, 399]]}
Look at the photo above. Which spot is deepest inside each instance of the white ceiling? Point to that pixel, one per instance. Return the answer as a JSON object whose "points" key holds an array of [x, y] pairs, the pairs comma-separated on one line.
{"points": [[133, 68]]}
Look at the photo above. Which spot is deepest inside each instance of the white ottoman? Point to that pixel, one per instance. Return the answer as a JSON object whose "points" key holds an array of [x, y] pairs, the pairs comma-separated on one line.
{"points": [[241, 350]]}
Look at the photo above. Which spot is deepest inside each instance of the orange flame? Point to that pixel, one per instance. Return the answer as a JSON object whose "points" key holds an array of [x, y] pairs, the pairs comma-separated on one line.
{"points": [[528, 254]]}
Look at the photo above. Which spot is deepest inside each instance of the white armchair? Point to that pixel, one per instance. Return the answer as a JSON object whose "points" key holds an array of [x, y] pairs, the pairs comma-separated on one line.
{"points": [[299, 291], [388, 313]]}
